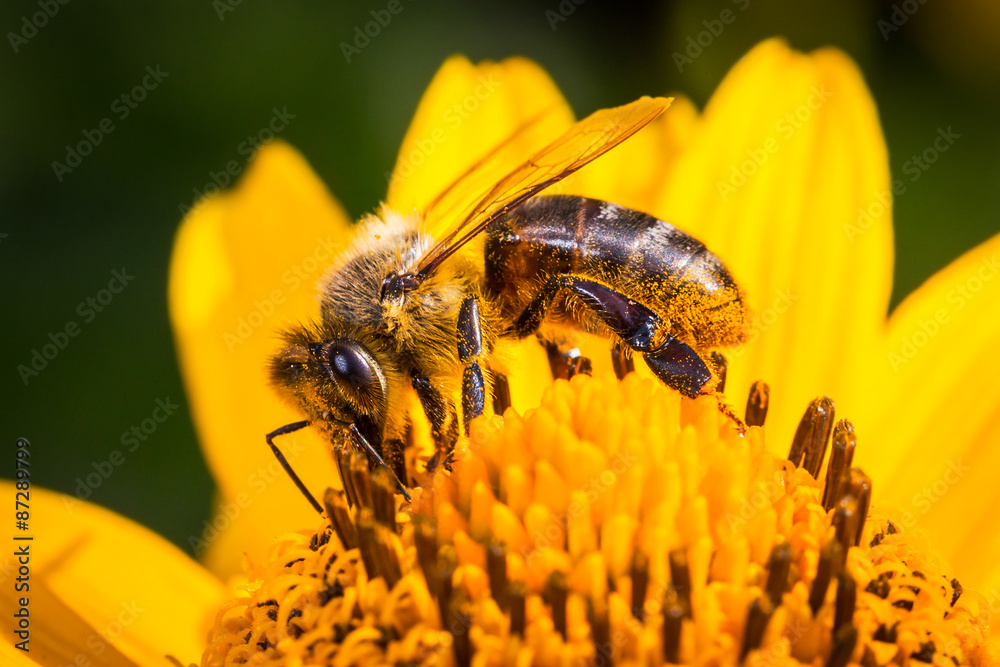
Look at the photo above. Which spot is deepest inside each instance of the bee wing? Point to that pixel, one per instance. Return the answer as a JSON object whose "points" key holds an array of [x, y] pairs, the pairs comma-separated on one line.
{"points": [[585, 141]]}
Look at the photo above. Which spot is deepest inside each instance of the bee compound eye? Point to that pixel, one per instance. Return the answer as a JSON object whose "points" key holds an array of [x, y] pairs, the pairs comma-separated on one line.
{"points": [[350, 365]]}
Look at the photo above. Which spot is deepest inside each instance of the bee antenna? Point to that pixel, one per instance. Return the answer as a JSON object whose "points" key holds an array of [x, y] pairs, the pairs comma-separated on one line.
{"points": [[284, 430]]}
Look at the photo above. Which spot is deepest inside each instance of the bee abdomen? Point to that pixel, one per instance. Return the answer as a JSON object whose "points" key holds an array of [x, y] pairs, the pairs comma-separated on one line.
{"points": [[642, 257]]}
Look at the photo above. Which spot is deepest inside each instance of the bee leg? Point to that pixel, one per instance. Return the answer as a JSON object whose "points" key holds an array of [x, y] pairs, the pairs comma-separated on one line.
{"points": [[470, 348], [437, 412], [674, 362]]}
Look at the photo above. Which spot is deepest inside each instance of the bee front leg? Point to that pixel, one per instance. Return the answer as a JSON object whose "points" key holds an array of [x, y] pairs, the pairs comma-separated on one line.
{"points": [[437, 411], [470, 349]]}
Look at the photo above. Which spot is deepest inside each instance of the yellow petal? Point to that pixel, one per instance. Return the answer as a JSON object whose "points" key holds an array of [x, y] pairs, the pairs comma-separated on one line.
{"points": [[467, 111], [105, 588], [788, 150], [245, 264], [937, 443]]}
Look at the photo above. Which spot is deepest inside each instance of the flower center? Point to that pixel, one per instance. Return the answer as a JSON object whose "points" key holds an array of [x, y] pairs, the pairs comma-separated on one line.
{"points": [[618, 523]]}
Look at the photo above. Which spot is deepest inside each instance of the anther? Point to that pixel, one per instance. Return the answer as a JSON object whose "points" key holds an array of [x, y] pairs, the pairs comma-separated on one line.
{"points": [[496, 569], [459, 625], [366, 541], [443, 571], [778, 566], [841, 456], [501, 393], [361, 479], [845, 522], [846, 598], [843, 646], [757, 618], [673, 621], [809, 444], [425, 539], [859, 485], [680, 578], [757, 403], [557, 593], [383, 488], [518, 617], [640, 580], [387, 555], [335, 503], [600, 632], [830, 559]]}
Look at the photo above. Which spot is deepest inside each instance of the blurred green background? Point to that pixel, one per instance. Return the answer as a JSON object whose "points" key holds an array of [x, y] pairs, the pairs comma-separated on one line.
{"points": [[929, 64]]}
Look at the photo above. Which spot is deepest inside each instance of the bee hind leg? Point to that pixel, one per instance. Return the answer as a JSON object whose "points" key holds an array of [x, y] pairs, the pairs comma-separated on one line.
{"points": [[470, 350]]}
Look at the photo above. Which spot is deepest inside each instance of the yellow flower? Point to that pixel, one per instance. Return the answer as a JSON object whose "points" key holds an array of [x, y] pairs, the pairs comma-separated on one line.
{"points": [[784, 176]]}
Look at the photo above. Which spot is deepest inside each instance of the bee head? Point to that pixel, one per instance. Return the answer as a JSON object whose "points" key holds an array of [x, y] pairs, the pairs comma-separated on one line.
{"points": [[335, 381]]}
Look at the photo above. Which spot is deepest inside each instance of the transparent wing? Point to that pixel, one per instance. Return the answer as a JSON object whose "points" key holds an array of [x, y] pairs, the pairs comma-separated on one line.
{"points": [[583, 142]]}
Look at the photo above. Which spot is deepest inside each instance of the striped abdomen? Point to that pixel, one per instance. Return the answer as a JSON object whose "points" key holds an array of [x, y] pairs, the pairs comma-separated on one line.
{"points": [[644, 258]]}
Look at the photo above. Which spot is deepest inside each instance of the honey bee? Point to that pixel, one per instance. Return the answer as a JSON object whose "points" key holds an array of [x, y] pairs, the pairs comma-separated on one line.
{"points": [[402, 312]]}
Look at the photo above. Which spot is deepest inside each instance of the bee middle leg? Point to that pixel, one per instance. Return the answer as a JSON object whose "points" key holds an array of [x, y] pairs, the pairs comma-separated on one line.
{"points": [[673, 361], [438, 412]]}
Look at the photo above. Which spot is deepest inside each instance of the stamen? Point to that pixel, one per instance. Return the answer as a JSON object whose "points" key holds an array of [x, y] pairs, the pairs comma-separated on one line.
{"points": [[366, 541], [496, 569], [843, 646], [846, 600], [443, 575], [600, 632], [831, 559], [557, 593], [841, 456], [359, 472], [753, 633], [383, 486], [425, 539], [809, 444], [515, 597], [387, 555], [779, 565], [461, 642], [757, 403], [680, 579], [640, 581], [845, 522], [859, 485], [673, 621], [340, 517], [501, 393]]}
